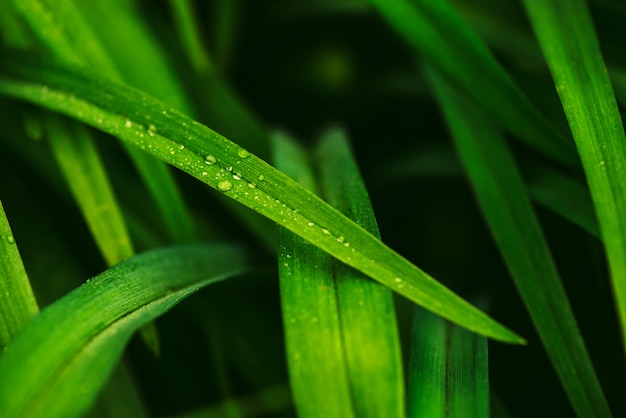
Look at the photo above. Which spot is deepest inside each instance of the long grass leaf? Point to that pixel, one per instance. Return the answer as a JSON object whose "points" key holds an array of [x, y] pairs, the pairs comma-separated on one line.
{"points": [[468, 377], [427, 366], [507, 209], [57, 364], [139, 119], [84, 172], [367, 314], [441, 37], [318, 367], [568, 40], [17, 301]]}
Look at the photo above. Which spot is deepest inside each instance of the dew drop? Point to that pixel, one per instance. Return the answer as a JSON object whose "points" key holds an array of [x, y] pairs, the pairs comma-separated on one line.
{"points": [[397, 280], [340, 238], [310, 224], [224, 185], [128, 123], [236, 177], [252, 185], [210, 159], [261, 177], [242, 153], [10, 239], [204, 173], [181, 147], [346, 244], [326, 231]]}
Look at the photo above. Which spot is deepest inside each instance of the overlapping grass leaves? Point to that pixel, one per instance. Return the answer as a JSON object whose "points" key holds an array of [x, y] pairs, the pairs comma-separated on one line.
{"points": [[341, 332], [57, 364], [143, 121], [569, 43], [502, 197]]}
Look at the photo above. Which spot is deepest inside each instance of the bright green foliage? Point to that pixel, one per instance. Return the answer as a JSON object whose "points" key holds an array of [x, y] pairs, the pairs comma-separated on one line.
{"points": [[17, 302], [569, 43], [172, 137], [503, 200], [337, 322], [448, 370], [57, 365]]}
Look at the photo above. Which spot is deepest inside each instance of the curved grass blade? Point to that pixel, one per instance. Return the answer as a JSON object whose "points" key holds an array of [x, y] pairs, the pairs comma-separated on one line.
{"points": [[143, 121], [318, 367], [57, 364], [438, 33], [507, 209], [17, 301], [366, 309], [84, 172], [569, 43], [448, 370]]}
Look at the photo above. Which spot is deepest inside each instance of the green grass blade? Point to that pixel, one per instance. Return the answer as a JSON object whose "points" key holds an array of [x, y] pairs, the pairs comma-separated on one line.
{"points": [[468, 376], [189, 33], [427, 366], [568, 40], [318, 367], [367, 314], [507, 209], [448, 370], [79, 34], [84, 172], [57, 364], [438, 33], [17, 301], [137, 118]]}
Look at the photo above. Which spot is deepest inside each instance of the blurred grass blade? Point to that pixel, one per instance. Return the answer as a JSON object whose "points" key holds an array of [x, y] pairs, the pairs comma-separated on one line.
{"points": [[468, 375], [82, 168], [145, 122], [64, 29], [442, 38], [57, 364], [568, 40], [17, 301], [189, 33], [318, 368], [367, 314], [507, 209], [448, 370], [427, 366]]}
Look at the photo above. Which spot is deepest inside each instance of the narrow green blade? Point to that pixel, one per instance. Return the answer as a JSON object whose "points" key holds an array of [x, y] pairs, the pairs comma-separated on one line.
{"points": [[367, 314], [568, 40], [79, 33], [57, 364], [84, 172], [442, 38], [141, 120], [318, 367], [17, 301], [427, 366], [468, 375], [502, 197]]}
